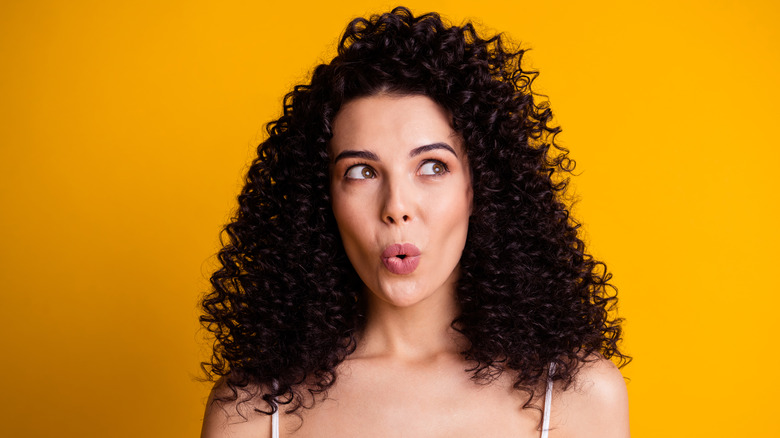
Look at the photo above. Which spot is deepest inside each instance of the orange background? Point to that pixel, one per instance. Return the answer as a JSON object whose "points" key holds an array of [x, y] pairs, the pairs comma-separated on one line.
{"points": [[125, 128]]}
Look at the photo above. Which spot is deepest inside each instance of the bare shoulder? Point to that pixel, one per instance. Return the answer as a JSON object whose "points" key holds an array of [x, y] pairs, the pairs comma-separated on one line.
{"points": [[595, 405], [237, 418]]}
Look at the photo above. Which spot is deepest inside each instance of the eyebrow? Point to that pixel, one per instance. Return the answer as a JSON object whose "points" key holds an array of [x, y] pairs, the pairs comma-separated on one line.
{"points": [[429, 147], [368, 155]]}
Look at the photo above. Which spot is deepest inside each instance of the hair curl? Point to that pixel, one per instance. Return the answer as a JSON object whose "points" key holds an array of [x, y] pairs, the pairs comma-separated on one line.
{"points": [[284, 307]]}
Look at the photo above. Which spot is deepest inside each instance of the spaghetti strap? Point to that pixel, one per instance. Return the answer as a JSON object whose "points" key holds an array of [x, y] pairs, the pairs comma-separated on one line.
{"points": [[275, 424], [547, 402]]}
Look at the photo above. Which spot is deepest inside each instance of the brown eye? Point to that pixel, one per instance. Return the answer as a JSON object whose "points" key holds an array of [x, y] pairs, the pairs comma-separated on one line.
{"points": [[433, 168], [360, 171]]}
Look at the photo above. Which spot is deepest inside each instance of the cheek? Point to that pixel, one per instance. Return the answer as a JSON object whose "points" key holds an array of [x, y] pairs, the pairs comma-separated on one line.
{"points": [[343, 215], [352, 222], [453, 206], [448, 223], [341, 206]]}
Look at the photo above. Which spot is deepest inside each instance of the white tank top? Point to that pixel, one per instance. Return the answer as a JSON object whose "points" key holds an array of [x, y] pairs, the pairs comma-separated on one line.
{"points": [[545, 417]]}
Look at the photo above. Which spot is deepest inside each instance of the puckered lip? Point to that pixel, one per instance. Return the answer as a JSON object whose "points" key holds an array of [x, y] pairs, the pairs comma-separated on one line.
{"points": [[401, 258], [401, 249]]}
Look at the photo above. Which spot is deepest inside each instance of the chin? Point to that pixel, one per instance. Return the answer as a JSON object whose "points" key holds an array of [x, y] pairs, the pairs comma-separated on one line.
{"points": [[403, 300], [403, 295]]}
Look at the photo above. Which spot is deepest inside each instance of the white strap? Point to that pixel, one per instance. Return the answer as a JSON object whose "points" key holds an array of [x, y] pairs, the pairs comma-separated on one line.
{"points": [[275, 424], [547, 402]]}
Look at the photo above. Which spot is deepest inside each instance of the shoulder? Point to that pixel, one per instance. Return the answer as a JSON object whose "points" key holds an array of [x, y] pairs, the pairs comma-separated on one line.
{"points": [[236, 418], [595, 405]]}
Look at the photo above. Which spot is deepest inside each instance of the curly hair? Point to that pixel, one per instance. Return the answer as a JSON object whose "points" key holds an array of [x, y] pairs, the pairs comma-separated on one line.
{"points": [[285, 308]]}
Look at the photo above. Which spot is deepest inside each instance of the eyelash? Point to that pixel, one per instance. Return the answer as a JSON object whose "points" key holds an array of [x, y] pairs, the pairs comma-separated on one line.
{"points": [[424, 162], [357, 165], [439, 162]]}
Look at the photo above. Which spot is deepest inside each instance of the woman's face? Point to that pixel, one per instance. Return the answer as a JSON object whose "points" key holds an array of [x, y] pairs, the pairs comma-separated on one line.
{"points": [[401, 193]]}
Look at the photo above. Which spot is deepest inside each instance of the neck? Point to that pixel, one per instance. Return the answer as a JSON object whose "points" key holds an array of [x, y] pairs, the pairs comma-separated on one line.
{"points": [[417, 332]]}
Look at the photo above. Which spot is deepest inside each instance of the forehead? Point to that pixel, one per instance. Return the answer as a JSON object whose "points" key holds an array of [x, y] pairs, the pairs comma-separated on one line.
{"points": [[398, 122]]}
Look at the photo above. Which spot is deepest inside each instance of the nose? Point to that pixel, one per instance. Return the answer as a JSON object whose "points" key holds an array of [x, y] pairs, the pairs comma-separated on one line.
{"points": [[398, 203]]}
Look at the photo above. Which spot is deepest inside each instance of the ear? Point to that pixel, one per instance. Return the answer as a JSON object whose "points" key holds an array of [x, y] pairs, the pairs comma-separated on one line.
{"points": [[470, 194], [470, 189]]}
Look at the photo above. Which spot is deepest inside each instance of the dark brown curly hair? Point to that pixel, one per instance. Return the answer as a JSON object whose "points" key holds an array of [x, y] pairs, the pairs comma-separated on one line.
{"points": [[285, 307]]}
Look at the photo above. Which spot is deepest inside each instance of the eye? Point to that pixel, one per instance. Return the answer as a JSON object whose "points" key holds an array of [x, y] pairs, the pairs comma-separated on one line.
{"points": [[434, 168], [360, 171]]}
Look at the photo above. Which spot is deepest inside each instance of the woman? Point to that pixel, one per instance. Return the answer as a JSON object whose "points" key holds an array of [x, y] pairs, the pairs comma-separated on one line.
{"points": [[402, 263]]}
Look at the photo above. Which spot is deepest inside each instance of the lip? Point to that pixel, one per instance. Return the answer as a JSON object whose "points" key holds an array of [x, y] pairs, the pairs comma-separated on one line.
{"points": [[401, 266]]}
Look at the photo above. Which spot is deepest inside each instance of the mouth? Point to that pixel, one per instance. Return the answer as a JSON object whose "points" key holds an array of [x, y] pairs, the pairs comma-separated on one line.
{"points": [[401, 259]]}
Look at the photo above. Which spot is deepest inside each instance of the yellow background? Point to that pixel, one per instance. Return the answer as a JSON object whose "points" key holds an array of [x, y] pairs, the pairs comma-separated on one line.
{"points": [[125, 128]]}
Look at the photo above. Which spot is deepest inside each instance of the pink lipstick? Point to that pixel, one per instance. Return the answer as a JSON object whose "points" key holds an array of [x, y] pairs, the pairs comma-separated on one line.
{"points": [[401, 259]]}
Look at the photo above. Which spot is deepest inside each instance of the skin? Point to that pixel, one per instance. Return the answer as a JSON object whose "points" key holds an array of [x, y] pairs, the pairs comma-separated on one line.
{"points": [[406, 377], [400, 174]]}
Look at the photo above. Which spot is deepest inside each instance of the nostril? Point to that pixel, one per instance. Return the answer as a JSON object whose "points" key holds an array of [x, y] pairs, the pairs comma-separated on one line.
{"points": [[404, 218]]}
